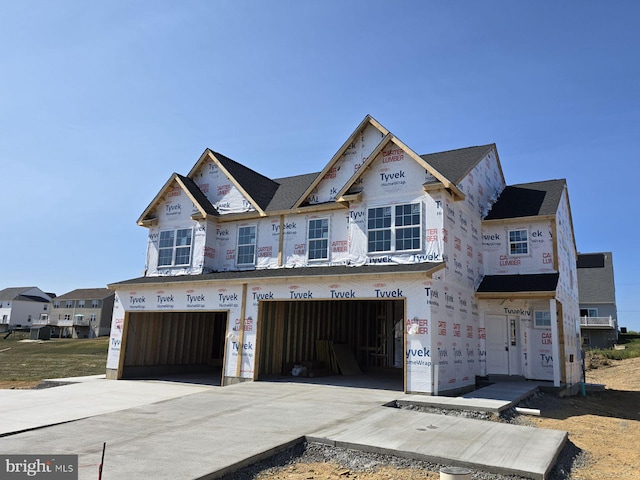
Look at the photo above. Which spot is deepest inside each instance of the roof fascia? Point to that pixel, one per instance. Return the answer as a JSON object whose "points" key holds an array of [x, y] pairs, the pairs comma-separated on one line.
{"points": [[538, 218], [515, 295], [142, 220], [368, 120], [390, 138]]}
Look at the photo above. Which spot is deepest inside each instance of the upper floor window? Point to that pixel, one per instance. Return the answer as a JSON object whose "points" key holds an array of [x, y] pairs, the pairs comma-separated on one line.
{"points": [[93, 317], [45, 306], [69, 303], [174, 248], [318, 239], [518, 242], [588, 312], [394, 228], [80, 303], [542, 319], [56, 304], [95, 303], [246, 245]]}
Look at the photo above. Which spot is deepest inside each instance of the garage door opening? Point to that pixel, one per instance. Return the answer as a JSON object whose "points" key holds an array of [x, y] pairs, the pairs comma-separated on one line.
{"points": [[175, 346], [304, 334]]}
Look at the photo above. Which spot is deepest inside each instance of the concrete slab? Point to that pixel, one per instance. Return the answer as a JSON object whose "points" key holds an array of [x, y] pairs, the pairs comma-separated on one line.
{"points": [[165, 430], [489, 446]]}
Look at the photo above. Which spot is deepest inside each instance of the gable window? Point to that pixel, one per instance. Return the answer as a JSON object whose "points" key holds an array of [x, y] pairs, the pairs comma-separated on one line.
{"points": [[518, 242], [246, 245], [394, 228], [542, 319], [174, 248], [318, 239]]}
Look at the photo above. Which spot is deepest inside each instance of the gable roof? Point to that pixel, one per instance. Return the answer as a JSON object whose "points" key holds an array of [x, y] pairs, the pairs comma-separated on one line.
{"points": [[86, 294], [198, 198], [18, 293], [290, 190], [528, 200], [456, 164], [368, 120], [539, 284]]}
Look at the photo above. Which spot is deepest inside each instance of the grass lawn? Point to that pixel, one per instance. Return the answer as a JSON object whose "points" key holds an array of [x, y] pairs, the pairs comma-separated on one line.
{"points": [[25, 364]]}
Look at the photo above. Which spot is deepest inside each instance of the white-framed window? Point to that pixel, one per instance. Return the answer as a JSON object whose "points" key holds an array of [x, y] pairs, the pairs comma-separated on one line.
{"points": [[69, 303], [28, 318], [588, 312], [542, 319], [318, 248], [95, 303], [80, 303], [56, 304], [67, 316], [246, 245], [93, 317], [394, 228], [174, 248], [44, 306], [518, 242]]}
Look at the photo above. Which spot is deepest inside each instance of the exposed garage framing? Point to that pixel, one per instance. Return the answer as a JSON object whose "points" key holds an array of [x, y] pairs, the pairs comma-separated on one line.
{"points": [[164, 343], [289, 331]]}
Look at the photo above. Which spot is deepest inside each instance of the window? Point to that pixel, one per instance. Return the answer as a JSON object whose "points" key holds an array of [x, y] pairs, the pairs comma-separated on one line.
{"points": [[318, 239], [174, 248], [67, 316], [5, 317], [588, 312], [56, 304], [28, 318], [93, 317], [45, 306], [542, 319], [394, 228], [518, 242], [69, 303], [80, 303], [246, 245], [95, 303]]}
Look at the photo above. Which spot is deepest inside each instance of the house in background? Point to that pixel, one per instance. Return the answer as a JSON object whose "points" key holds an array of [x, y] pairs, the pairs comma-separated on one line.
{"points": [[22, 307], [83, 313], [381, 253], [597, 293]]}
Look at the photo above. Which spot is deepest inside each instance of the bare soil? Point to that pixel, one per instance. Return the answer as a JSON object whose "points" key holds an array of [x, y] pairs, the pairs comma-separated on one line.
{"points": [[605, 425]]}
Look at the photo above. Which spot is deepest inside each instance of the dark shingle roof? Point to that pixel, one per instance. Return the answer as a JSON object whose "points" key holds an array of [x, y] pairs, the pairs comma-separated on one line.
{"points": [[595, 280], [455, 164], [200, 197], [528, 200], [539, 282], [260, 188], [17, 293], [289, 191], [287, 272], [86, 294]]}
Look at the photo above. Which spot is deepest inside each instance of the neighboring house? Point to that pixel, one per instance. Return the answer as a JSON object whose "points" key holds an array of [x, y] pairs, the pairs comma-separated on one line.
{"points": [[22, 307], [83, 313], [425, 265], [598, 312]]}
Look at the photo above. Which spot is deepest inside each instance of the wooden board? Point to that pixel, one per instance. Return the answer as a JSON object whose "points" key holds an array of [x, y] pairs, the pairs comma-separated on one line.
{"points": [[345, 359]]}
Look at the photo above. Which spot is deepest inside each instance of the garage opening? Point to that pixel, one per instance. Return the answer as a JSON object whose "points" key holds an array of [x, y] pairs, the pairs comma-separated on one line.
{"points": [[180, 346], [302, 334]]}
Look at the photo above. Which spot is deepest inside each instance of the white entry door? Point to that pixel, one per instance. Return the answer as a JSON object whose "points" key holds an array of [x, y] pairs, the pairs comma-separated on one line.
{"points": [[497, 345]]}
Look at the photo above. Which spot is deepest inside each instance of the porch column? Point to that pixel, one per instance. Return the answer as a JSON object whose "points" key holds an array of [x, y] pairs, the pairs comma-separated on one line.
{"points": [[555, 342]]}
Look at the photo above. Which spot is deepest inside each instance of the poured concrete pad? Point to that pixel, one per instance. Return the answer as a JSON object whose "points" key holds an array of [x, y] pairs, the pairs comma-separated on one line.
{"points": [[448, 440]]}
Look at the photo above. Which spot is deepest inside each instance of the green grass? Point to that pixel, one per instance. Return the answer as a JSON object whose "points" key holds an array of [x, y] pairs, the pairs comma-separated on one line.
{"points": [[30, 362], [631, 341]]}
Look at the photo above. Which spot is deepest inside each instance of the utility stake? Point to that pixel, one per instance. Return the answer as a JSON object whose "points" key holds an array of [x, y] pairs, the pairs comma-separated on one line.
{"points": [[104, 446]]}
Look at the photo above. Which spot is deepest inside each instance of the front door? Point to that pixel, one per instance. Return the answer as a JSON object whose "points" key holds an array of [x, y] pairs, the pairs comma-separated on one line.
{"points": [[497, 345]]}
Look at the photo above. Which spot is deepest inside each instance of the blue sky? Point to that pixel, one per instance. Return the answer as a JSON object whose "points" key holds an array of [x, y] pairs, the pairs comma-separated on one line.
{"points": [[100, 102]]}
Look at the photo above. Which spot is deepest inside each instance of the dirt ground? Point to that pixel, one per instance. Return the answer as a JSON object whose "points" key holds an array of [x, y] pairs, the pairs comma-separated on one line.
{"points": [[605, 425]]}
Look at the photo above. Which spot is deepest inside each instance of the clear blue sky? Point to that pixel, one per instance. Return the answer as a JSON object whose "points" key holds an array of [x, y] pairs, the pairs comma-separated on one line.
{"points": [[101, 101]]}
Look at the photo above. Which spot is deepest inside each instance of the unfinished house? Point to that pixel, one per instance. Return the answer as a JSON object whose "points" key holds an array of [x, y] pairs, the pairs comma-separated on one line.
{"points": [[598, 311], [424, 267]]}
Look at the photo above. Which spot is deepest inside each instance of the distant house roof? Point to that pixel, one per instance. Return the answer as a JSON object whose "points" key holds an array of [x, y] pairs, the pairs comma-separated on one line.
{"points": [[18, 293], [266, 273], [533, 283], [456, 164], [86, 294], [528, 200], [595, 278]]}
